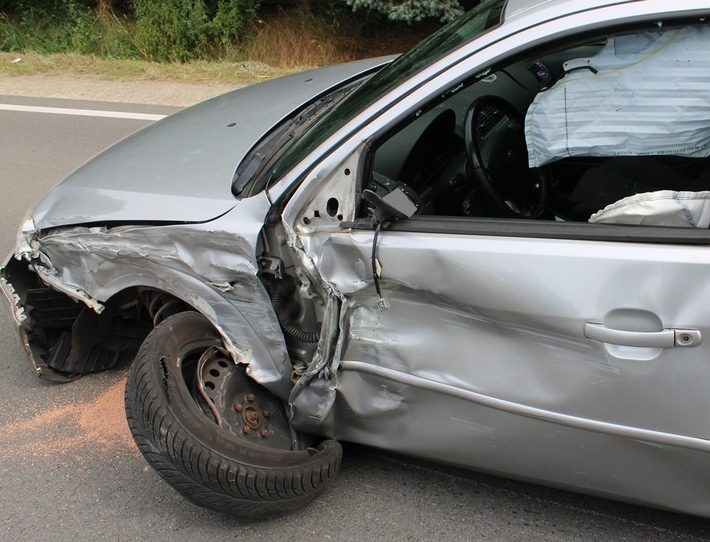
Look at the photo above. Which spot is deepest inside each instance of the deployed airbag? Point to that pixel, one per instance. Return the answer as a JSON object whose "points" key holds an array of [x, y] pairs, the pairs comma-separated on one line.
{"points": [[661, 208], [650, 95]]}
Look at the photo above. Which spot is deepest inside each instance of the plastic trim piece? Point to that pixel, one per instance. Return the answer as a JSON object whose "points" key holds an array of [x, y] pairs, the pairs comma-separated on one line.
{"points": [[544, 229]]}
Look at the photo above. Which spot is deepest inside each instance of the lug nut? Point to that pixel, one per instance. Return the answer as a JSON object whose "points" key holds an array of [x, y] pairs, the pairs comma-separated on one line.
{"points": [[251, 417], [237, 407], [245, 429], [266, 413], [251, 398], [264, 433]]}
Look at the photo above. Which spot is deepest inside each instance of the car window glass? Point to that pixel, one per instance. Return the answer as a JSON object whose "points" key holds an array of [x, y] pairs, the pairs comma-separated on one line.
{"points": [[564, 134], [479, 19]]}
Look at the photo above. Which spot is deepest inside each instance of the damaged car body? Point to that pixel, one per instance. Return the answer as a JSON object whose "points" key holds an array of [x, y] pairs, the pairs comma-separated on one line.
{"points": [[490, 252]]}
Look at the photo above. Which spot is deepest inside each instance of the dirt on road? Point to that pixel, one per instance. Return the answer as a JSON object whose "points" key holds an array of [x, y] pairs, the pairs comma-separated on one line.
{"points": [[96, 89]]}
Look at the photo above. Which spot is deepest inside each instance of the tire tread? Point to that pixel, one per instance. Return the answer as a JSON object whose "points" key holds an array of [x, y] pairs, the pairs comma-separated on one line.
{"points": [[203, 476]]}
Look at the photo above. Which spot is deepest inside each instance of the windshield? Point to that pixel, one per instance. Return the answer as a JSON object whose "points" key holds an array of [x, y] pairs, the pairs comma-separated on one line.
{"points": [[476, 21]]}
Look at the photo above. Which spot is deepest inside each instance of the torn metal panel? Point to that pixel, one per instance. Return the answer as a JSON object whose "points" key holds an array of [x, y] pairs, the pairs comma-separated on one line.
{"points": [[313, 394], [213, 271], [482, 344], [418, 406], [418, 394], [422, 333], [515, 309], [51, 278], [320, 205]]}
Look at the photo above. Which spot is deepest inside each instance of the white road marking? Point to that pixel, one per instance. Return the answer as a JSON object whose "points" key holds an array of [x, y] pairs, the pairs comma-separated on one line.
{"points": [[81, 112]]}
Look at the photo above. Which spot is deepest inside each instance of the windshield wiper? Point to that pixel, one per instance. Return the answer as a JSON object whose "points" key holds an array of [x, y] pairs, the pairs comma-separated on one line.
{"points": [[276, 142]]}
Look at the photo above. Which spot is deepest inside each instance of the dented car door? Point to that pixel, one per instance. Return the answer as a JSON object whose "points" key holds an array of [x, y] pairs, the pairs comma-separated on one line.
{"points": [[483, 338]]}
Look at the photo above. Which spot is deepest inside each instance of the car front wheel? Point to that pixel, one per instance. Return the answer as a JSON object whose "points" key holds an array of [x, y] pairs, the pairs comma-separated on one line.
{"points": [[214, 434]]}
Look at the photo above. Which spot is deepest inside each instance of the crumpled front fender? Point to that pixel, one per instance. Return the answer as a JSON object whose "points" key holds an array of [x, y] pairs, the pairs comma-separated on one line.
{"points": [[214, 271]]}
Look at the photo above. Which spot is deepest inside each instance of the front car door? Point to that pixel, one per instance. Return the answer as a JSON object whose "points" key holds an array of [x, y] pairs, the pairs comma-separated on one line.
{"points": [[553, 350]]}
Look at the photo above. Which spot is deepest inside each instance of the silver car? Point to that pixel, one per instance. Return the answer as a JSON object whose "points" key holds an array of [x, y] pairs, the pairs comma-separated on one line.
{"points": [[489, 252]]}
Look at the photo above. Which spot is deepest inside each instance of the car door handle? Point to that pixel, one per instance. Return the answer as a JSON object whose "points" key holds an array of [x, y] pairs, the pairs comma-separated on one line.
{"points": [[667, 338]]}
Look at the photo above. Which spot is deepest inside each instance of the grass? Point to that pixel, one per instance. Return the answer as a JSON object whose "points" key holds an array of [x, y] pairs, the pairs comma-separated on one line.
{"points": [[284, 42], [198, 71], [305, 39]]}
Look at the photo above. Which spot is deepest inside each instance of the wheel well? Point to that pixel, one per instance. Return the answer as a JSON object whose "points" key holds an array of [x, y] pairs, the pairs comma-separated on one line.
{"points": [[68, 339], [95, 342]]}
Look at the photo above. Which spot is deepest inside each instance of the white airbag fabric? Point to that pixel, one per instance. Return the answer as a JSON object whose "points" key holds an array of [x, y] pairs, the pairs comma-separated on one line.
{"points": [[650, 96], [662, 208]]}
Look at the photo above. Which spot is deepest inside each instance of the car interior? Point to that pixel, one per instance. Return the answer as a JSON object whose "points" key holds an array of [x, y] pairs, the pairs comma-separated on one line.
{"points": [[467, 153]]}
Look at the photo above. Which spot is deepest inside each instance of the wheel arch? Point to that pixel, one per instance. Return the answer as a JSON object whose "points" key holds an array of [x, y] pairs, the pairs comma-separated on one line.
{"points": [[241, 313], [220, 282]]}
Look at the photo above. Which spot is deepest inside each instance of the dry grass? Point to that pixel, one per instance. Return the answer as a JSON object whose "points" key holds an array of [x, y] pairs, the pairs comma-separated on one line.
{"points": [[299, 39], [304, 40], [283, 43], [239, 73]]}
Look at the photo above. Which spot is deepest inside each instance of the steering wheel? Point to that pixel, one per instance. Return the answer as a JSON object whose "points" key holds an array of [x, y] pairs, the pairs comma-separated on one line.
{"points": [[497, 159]]}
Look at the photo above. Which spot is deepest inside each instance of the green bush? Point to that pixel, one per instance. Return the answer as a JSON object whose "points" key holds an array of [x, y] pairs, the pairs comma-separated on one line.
{"points": [[300, 32], [181, 30], [172, 30], [10, 40], [229, 19], [17, 7], [83, 36], [59, 26], [37, 28], [106, 36]]}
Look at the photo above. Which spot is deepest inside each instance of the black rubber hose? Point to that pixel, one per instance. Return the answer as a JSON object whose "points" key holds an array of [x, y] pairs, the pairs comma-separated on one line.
{"points": [[287, 310], [310, 337]]}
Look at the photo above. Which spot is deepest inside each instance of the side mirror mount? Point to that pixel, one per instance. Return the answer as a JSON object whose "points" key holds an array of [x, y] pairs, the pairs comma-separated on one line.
{"points": [[399, 204], [396, 205]]}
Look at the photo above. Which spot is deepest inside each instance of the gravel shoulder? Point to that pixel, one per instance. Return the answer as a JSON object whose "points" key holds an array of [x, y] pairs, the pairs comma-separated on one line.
{"points": [[74, 87]]}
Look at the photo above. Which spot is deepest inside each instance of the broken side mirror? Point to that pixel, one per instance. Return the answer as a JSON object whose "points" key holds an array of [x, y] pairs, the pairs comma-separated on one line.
{"points": [[396, 205]]}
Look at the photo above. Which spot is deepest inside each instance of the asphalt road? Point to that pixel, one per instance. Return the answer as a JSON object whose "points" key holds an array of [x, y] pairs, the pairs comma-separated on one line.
{"points": [[69, 469]]}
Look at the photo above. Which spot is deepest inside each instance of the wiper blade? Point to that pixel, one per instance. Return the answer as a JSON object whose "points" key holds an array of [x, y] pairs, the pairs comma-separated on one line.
{"points": [[271, 147]]}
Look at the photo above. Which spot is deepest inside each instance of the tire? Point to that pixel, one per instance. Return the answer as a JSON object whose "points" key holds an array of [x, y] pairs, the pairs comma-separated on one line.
{"points": [[180, 386]]}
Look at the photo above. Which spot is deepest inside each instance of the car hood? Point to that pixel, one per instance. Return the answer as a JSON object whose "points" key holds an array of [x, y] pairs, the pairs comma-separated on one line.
{"points": [[180, 169]]}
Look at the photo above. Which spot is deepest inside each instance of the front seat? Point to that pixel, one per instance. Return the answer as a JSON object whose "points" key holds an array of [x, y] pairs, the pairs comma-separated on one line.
{"points": [[619, 177]]}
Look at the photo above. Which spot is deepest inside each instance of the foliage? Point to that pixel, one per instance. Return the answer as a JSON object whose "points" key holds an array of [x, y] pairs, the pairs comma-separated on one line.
{"points": [[18, 7], [301, 37], [58, 26], [230, 17], [171, 29], [279, 32], [412, 10], [180, 30]]}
